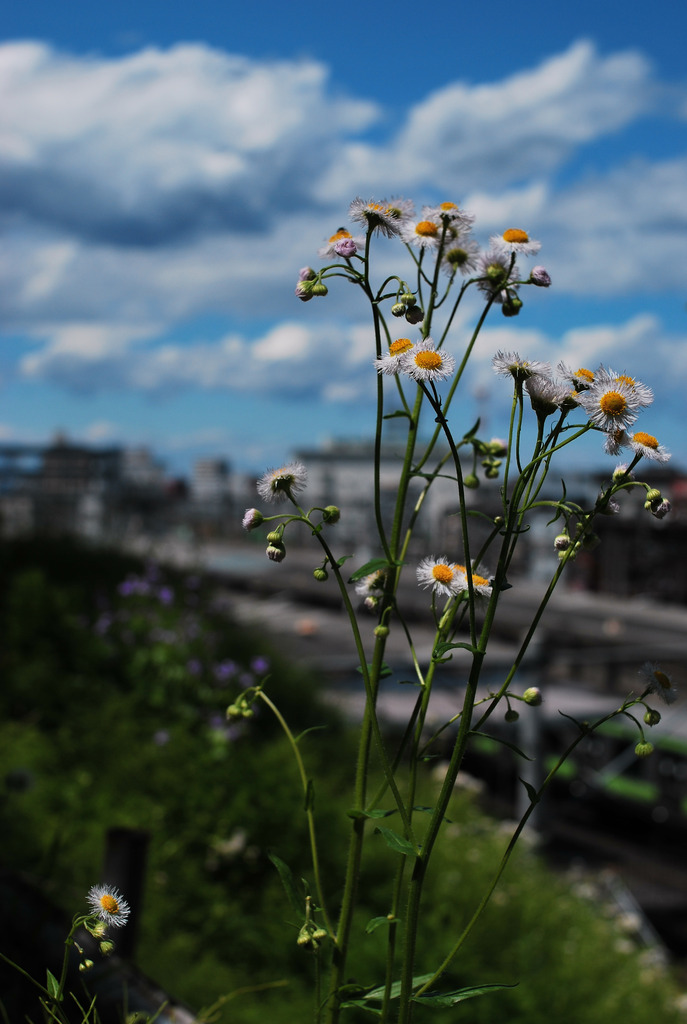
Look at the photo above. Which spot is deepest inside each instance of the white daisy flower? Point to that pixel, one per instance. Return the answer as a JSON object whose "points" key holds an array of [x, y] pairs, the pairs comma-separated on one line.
{"points": [[643, 394], [548, 395], [108, 904], [285, 482], [443, 577], [423, 234], [392, 362], [480, 583], [372, 584], [615, 441], [509, 364], [387, 216], [330, 250], [658, 682], [496, 274], [611, 406], [647, 446], [425, 362], [581, 379], [451, 214], [515, 240], [461, 253]]}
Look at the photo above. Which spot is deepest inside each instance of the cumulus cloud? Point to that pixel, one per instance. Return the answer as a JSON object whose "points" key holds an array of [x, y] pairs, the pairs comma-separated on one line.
{"points": [[290, 359], [527, 124], [141, 192], [154, 147]]}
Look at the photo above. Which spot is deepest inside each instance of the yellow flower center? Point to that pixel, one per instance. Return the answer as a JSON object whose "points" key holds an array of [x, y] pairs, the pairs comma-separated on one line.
{"points": [[396, 348], [426, 228], [479, 581], [622, 379], [341, 233], [448, 206], [515, 235], [442, 573], [613, 403], [428, 360], [393, 211], [585, 375], [662, 679], [646, 439], [109, 903]]}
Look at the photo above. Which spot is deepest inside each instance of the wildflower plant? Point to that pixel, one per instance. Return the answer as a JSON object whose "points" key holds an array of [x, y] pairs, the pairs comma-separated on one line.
{"points": [[57, 997], [421, 367]]}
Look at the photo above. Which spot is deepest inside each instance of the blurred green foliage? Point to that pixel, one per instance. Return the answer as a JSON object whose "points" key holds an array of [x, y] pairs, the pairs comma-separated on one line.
{"points": [[115, 678]]}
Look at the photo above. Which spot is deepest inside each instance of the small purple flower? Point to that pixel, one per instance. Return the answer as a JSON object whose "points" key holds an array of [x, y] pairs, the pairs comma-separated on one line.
{"points": [[194, 667], [306, 274], [260, 664], [223, 671], [165, 595], [103, 624]]}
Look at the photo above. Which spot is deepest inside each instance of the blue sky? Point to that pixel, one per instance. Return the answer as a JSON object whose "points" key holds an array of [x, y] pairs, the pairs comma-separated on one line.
{"points": [[166, 169]]}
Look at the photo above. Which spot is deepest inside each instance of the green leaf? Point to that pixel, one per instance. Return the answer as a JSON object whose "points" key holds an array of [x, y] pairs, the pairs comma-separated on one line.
{"points": [[459, 995], [441, 649], [471, 432], [53, 986], [286, 875], [376, 812], [504, 743], [366, 570], [344, 558], [376, 922], [395, 842], [384, 670], [532, 793], [309, 796]]}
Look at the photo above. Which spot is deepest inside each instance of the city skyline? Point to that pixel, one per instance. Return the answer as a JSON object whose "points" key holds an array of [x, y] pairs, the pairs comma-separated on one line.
{"points": [[165, 173]]}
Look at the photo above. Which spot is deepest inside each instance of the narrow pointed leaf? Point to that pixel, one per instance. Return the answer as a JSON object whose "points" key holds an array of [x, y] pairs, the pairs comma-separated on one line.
{"points": [[286, 875], [457, 996], [396, 842]]}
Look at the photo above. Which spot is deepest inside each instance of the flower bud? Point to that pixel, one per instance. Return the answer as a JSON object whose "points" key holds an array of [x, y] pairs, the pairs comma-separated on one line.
{"points": [[303, 291], [274, 536], [252, 517], [381, 631], [414, 315], [107, 947], [320, 574], [652, 717], [532, 696], [653, 495], [306, 274], [408, 299], [85, 965], [511, 715], [331, 514], [276, 552], [471, 481], [491, 472], [497, 446], [661, 510], [540, 277], [644, 749], [561, 542], [511, 306], [345, 247], [320, 288], [398, 309]]}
